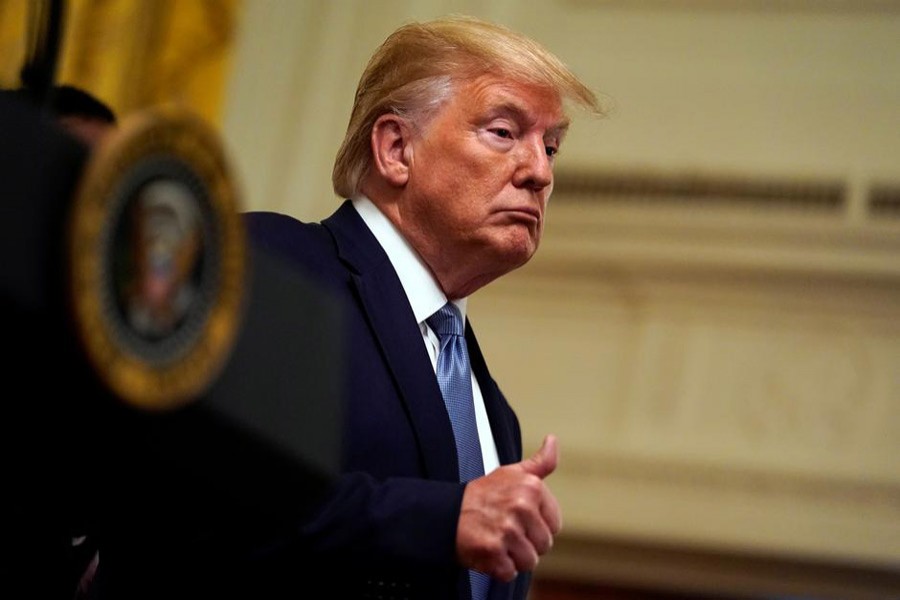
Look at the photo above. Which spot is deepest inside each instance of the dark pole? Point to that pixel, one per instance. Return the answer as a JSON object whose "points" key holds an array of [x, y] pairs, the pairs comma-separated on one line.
{"points": [[44, 37]]}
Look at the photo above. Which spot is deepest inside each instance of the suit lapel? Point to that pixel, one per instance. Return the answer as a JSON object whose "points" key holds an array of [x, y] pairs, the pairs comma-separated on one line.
{"points": [[387, 309]]}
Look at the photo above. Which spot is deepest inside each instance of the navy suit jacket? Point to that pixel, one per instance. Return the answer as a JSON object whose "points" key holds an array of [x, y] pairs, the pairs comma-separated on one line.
{"points": [[388, 528]]}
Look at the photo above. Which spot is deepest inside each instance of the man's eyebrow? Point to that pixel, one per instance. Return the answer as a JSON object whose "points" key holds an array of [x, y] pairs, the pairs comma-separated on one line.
{"points": [[559, 130], [518, 112]]}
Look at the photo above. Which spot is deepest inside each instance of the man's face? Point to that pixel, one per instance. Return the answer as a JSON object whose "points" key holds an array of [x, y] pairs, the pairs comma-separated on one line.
{"points": [[481, 173]]}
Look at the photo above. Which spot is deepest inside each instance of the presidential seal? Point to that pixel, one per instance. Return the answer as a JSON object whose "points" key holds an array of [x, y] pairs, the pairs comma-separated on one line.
{"points": [[157, 259]]}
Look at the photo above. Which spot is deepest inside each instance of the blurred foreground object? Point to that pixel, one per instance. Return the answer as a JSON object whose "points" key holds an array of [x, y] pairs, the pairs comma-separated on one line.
{"points": [[158, 395], [157, 259]]}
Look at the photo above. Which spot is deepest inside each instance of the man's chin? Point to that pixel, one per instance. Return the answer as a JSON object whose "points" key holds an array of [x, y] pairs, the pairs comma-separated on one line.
{"points": [[520, 252]]}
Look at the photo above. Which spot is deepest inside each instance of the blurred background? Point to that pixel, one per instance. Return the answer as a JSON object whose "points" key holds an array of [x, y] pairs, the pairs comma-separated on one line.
{"points": [[711, 324]]}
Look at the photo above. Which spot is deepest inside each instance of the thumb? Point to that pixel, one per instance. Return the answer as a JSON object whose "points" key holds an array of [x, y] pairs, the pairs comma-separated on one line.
{"points": [[543, 462]]}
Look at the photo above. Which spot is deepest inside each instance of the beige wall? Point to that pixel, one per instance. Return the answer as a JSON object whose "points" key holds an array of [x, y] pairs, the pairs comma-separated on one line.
{"points": [[732, 87], [711, 325]]}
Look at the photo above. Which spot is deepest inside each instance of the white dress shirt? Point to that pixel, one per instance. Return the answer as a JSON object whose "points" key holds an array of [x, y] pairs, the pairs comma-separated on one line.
{"points": [[426, 297]]}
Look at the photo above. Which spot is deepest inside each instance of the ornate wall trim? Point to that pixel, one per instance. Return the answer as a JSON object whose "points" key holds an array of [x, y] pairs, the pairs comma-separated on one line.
{"points": [[719, 355], [884, 202], [695, 571], [682, 189], [722, 226], [755, 481]]}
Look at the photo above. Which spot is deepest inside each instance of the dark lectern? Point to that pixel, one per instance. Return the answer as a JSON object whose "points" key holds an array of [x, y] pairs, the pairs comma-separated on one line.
{"points": [[178, 443]]}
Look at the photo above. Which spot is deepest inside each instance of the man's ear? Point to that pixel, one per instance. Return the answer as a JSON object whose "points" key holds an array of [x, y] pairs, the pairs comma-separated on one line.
{"points": [[391, 149]]}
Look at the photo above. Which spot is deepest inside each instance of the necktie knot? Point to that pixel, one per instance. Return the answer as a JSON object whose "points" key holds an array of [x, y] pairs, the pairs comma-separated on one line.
{"points": [[446, 321]]}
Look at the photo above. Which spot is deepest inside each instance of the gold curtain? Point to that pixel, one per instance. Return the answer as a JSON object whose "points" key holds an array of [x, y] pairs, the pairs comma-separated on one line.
{"points": [[134, 53], [13, 25]]}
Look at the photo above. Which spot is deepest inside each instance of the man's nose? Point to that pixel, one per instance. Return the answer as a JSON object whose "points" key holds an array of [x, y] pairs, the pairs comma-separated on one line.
{"points": [[534, 169]]}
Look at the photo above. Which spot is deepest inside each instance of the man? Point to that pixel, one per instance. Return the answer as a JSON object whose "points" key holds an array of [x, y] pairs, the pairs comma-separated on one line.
{"points": [[39, 438], [81, 114], [89, 120], [447, 167]]}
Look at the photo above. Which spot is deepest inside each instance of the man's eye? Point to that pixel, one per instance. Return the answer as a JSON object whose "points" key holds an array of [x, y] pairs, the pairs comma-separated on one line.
{"points": [[501, 132], [551, 151]]}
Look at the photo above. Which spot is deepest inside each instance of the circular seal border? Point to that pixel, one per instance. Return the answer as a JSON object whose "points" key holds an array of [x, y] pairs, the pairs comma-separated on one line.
{"points": [[163, 135]]}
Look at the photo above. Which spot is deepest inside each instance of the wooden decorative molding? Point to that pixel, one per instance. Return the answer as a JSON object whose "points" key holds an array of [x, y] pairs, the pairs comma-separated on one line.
{"points": [[718, 355], [796, 485], [884, 202], [820, 196], [698, 573], [721, 225]]}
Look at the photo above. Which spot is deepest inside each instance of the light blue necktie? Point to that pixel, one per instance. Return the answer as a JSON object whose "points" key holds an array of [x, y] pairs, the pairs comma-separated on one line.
{"points": [[454, 379]]}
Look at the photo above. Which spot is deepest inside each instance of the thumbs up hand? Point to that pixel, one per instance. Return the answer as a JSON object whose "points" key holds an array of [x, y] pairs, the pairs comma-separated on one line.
{"points": [[509, 517]]}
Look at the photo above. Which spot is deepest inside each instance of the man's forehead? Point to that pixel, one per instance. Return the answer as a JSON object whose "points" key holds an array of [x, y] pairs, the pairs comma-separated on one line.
{"points": [[494, 94]]}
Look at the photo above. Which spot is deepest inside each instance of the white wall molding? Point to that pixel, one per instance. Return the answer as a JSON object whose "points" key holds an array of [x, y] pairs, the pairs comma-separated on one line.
{"points": [[721, 379]]}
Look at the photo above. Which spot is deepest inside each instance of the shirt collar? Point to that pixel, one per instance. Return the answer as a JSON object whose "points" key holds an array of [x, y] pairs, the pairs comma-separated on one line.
{"points": [[422, 290]]}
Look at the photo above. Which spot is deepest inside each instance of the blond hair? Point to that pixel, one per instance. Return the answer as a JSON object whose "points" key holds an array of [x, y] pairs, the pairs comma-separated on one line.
{"points": [[413, 71]]}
